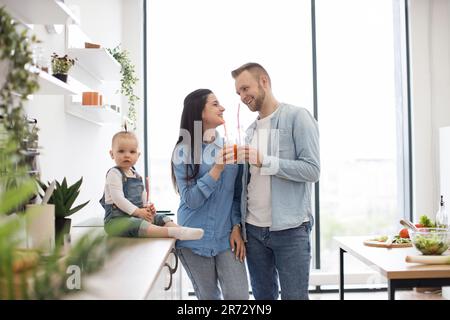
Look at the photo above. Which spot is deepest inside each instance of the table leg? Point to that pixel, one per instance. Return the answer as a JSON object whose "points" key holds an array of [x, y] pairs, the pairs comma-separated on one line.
{"points": [[341, 273], [391, 290]]}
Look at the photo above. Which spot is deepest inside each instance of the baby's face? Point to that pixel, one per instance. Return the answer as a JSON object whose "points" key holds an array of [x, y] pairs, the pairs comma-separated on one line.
{"points": [[125, 152]]}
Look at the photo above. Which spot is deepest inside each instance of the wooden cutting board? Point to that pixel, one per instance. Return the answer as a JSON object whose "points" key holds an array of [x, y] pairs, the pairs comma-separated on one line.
{"points": [[378, 244], [444, 259]]}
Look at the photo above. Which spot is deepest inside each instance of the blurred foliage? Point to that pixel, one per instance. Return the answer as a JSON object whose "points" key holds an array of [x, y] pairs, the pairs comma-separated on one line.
{"points": [[28, 274]]}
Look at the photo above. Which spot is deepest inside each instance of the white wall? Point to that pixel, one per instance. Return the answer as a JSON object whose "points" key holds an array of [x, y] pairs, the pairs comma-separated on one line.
{"points": [[72, 147], [430, 72], [133, 41]]}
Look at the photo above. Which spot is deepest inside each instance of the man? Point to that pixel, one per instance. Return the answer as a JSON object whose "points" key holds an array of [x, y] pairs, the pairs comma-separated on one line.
{"points": [[282, 149]]}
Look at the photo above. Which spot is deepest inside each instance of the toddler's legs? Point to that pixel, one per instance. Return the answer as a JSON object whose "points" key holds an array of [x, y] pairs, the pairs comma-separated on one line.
{"points": [[171, 224], [154, 231], [178, 232], [185, 233]]}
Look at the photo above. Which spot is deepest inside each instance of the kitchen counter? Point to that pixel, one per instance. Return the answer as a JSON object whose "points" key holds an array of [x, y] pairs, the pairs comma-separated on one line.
{"points": [[391, 264], [131, 270]]}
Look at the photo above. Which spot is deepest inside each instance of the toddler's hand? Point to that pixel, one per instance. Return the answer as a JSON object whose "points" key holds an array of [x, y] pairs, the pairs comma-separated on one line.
{"points": [[151, 208], [144, 213]]}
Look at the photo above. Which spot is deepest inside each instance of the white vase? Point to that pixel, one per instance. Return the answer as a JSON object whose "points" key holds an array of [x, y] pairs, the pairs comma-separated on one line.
{"points": [[40, 227]]}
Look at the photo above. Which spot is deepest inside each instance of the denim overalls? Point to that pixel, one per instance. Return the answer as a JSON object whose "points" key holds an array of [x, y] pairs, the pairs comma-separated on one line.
{"points": [[119, 223]]}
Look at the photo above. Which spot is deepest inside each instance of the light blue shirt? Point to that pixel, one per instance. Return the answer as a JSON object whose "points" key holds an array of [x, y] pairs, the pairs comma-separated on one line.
{"points": [[205, 203], [293, 164]]}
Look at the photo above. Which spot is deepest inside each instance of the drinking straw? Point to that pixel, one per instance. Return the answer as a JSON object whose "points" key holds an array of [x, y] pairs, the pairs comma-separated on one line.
{"points": [[225, 129], [239, 124]]}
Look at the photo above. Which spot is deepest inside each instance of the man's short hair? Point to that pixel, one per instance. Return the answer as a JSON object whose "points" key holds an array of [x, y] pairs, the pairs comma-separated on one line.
{"points": [[123, 134], [254, 68]]}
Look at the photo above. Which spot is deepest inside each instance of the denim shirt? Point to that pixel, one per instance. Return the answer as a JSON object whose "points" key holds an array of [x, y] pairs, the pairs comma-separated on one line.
{"points": [[293, 163], [205, 203]]}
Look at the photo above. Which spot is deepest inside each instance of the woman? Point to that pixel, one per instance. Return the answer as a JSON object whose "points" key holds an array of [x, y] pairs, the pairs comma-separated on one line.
{"points": [[209, 186]]}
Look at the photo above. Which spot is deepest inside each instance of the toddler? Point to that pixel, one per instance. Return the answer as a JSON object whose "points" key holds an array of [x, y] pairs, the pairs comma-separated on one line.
{"points": [[126, 212]]}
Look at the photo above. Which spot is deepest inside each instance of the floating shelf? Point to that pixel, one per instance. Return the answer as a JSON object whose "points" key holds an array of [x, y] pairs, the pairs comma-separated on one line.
{"points": [[98, 62], [49, 85], [100, 115], [40, 11]]}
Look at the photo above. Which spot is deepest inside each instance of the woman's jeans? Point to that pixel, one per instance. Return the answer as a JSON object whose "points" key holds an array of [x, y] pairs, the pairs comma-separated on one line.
{"points": [[284, 254], [207, 272]]}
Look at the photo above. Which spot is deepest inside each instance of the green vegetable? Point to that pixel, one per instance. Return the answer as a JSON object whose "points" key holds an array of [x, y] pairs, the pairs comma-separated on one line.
{"points": [[398, 239], [431, 244], [380, 239], [427, 223]]}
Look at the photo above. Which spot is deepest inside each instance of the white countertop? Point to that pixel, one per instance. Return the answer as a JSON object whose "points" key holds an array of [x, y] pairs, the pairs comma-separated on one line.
{"points": [[130, 271]]}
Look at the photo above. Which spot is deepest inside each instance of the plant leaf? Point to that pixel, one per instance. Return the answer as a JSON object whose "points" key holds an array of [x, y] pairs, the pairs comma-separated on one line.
{"points": [[64, 184], [69, 201], [81, 206], [14, 197]]}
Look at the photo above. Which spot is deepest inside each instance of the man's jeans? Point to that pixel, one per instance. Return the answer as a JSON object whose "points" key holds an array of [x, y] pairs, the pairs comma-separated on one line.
{"points": [[285, 254]]}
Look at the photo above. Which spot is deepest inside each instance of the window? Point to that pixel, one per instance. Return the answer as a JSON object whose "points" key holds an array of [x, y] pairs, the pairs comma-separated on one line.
{"points": [[197, 43], [360, 111]]}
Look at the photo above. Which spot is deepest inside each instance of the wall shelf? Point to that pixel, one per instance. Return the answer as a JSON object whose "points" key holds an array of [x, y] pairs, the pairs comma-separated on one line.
{"points": [[100, 115], [40, 11], [96, 70], [49, 85], [98, 62]]}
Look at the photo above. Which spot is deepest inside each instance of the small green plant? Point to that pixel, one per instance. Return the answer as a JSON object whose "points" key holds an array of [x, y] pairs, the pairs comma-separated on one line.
{"points": [[63, 197], [61, 65], [128, 80]]}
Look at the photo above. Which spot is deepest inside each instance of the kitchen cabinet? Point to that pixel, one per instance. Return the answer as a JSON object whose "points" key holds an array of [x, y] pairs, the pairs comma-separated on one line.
{"points": [[167, 285], [141, 268]]}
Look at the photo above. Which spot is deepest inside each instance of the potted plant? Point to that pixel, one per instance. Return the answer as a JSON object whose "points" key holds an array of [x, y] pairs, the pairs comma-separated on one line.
{"points": [[63, 197], [127, 81], [61, 66]]}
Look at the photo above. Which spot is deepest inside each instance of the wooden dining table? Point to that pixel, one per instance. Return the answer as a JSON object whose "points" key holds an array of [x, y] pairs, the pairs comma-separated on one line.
{"points": [[390, 262]]}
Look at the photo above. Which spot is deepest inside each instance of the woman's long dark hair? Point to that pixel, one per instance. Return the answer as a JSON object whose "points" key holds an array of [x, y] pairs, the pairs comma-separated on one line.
{"points": [[194, 103]]}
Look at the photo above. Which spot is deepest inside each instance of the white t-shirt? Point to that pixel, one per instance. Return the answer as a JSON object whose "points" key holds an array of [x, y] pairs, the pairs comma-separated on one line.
{"points": [[114, 192], [259, 195]]}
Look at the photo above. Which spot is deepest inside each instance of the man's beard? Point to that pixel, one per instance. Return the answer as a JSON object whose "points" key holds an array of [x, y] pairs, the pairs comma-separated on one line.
{"points": [[259, 100]]}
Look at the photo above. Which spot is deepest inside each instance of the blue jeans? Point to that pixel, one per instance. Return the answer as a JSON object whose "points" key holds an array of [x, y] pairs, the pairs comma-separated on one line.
{"points": [[207, 272], [284, 254]]}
